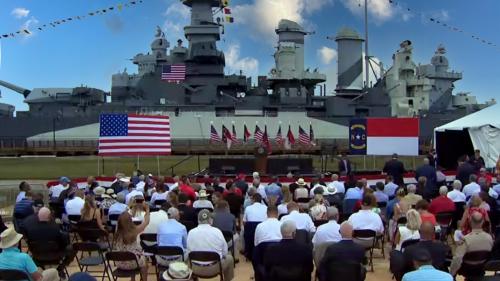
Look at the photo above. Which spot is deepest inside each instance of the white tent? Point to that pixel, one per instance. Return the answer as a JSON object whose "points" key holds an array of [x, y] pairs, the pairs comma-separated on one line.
{"points": [[484, 131]]}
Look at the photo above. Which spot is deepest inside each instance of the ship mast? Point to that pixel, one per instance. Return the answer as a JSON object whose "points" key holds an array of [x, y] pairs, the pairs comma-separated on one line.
{"points": [[367, 57]]}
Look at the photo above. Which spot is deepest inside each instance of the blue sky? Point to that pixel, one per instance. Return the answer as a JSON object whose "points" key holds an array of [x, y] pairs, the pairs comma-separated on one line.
{"points": [[89, 51]]}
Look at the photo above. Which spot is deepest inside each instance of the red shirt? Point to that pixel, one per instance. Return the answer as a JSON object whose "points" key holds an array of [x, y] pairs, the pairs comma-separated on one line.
{"points": [[441, 204], [428, 217], [188, 190], [237, 191]]}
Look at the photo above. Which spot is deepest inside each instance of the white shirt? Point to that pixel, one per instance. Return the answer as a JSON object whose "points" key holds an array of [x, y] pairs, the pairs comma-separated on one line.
{"points": [[262, 191], [338, 185], [282, 209], [140, 186], [311, 192], [117, 208], [256, 212], [203, 204], [302, 221], [74, 206], [354, 193], [456, 196], [268, 230], [132, 194], [497, 187], [56, 190], [158, 196], [204, 237], [492, 193], [390, 188], [20, 196], [366, 219], [471, 189], [155, 219], [406, 234], [174, 186], [328, 232]]}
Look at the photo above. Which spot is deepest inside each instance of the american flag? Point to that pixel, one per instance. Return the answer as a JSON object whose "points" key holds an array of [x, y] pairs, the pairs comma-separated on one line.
{"points": [[279, 137], [234, 136], [174, 72], [246, 133], [303, 137], [214, 136], [132, 134], [257, 135]]}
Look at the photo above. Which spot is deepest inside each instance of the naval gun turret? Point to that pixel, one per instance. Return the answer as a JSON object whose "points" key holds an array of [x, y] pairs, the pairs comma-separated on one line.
{"points": [[15, 88]]}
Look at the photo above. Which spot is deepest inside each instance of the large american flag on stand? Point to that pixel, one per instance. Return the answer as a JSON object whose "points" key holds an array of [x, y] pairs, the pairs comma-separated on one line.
{"points": [[132, 134], [174, 72], [303, 137]]}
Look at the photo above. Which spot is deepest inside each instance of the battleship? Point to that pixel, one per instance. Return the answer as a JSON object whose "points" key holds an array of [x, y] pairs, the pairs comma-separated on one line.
{"points": [[290, 94]]}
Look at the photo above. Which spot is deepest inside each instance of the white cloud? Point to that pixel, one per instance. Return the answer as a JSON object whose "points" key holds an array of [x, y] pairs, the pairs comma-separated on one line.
{"points": [[28, 25], [442, 15], [381, 10], [263, 16], [20, 13], [178, 9], [234, 63], [327, 55]]}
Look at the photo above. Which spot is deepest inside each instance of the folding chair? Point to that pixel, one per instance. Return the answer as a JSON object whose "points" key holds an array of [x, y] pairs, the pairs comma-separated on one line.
{"points": [[408, 243], [113, 257], [90, 260], [473, 264], [340, 271], [95, 235], [206, 257], [366, 238], [445, 220], [229, 236], [492, 265], [148, 243], [166, 251], [14, 275], [47, 254]]}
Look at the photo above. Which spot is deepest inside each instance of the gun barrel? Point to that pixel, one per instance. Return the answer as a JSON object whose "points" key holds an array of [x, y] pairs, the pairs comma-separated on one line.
{"points": [[22, 91]]}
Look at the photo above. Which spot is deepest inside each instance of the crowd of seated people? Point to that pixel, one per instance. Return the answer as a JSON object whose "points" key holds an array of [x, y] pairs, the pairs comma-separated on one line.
{"points": [[296, 231]]}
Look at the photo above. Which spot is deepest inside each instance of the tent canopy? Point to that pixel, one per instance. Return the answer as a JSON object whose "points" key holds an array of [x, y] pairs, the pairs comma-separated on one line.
{"points": [[483, 128]]}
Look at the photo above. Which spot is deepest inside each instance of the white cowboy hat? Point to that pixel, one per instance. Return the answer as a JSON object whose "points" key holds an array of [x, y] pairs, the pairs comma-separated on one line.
{"points": [[9, 238], [125, 180], [330, 190], [99, 190], [301, 182], [202, 194], [177, 271]]}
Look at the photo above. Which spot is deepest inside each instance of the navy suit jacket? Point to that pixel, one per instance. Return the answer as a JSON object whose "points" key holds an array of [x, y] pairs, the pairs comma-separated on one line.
{"points": [[342, 251], [430, 173]]}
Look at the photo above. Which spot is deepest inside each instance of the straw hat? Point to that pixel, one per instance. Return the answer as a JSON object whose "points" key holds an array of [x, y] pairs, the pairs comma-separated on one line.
{"points": [[301, 182], [202, 194], [99, 191], [9, 238], [125, 180], [177, 271], [330, 190]]}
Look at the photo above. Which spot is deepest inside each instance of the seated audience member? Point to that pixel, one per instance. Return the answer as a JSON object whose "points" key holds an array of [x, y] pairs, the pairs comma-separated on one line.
{"points": [[335, 183], [390, 187], [23, 188], [328, 232], [472, 188], [108, 199], [288, 259], [91, 185], [218, 188], [126, 239], [474, 206], [23, 208], [222, 217], [318, 205], [141, 184], [344, 251], [240, 183], [91, 216], [476, 240], [257, 212], [496, 187], [157, 218], [136, 208], [119, 206], [410, 231], [98, 192], [234, 199], [186, 188], [301, 191], [422, 207], [134, 192], [173, 199], [261, 189], [160, 193], [273, 192], [302, 221], [203, 202], [422, 186], [171, 233], [483, 173], [75, 204], [366, 218], [442, 203], [355, 192], [124, 186], [268, 230], [44, 230], [205, 238], [379, 194], [412, 198], [56, 190], [422, 261], [12, 258], [248, 198], [287, 198], [187, 212], [456, 195]]}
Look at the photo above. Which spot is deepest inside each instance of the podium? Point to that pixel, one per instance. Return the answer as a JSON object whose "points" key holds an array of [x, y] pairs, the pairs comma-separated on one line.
{"points": [[260, 164]]}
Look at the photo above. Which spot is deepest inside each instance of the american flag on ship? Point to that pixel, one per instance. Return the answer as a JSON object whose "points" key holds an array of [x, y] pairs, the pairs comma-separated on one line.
{"points": [[174, 72], [303, 137], [279, 137], [132, 134], [214, 136], [258, 135]]}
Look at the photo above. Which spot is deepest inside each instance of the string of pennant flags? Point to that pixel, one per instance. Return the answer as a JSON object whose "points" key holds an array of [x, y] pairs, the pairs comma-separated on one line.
{"points": [[262, 137], [53, 24], [445, 25]]}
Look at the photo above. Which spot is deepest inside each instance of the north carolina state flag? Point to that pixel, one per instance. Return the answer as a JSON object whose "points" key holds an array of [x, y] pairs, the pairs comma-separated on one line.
{"points": [[385, 136]]}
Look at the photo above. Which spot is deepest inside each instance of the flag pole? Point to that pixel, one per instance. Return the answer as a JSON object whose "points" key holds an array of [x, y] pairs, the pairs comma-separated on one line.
{"points": [[137, 162], [98, 168], [158, 163]]}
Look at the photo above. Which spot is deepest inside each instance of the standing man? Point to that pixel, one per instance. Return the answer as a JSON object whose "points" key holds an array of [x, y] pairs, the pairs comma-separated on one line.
{"points": [[477, 161], [395, 168], [429, 172], [344, 165], [464, 170]]}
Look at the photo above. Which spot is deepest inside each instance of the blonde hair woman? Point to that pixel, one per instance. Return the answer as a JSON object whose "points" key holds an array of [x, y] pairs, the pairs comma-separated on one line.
{"points": [[410, 230]]}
